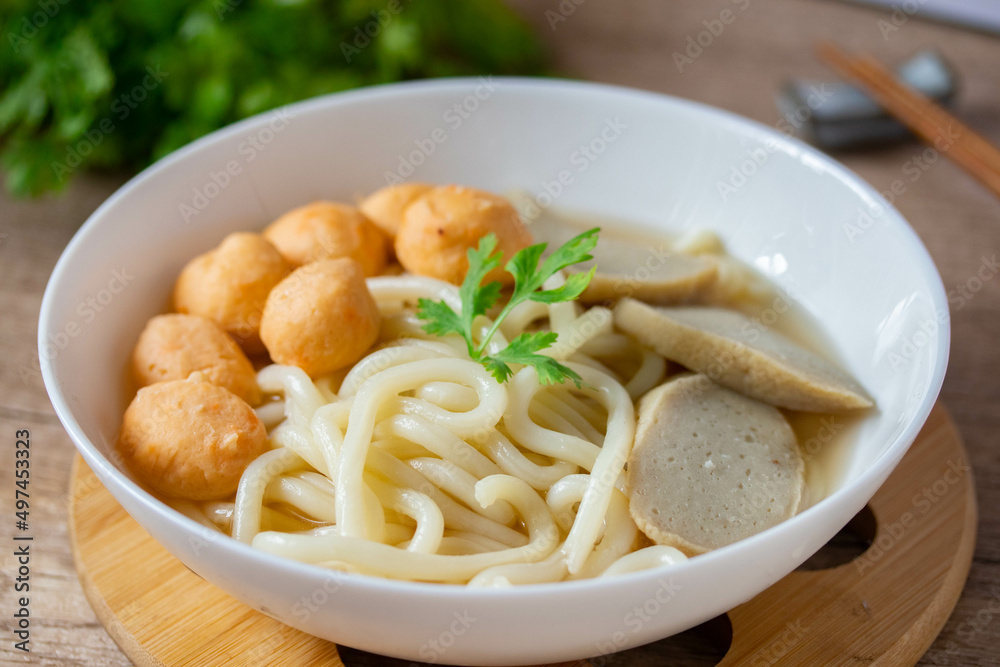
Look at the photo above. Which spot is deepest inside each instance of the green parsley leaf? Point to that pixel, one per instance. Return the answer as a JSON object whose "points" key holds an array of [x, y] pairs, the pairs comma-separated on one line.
{"points": [[439, 318], [498, 369], [524, 350], [486, 298], [575, 284], [477, 299], [524, 267], [574, 251]]}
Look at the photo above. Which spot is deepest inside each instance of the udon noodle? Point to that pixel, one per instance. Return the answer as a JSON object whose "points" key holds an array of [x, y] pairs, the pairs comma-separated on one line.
{"points": [[391, 435], [417, 464]]}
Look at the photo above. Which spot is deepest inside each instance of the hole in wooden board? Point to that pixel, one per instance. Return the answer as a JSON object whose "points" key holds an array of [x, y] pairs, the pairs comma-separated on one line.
{"points": [[704, 645], [847, 545], [352, 657]]}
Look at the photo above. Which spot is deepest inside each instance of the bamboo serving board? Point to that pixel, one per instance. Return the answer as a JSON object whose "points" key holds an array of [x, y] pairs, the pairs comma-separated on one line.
{"points": [[884, 608]]}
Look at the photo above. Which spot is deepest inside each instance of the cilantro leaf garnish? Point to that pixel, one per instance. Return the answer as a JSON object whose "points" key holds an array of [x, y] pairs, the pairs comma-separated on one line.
{"points": [[530, 274]]}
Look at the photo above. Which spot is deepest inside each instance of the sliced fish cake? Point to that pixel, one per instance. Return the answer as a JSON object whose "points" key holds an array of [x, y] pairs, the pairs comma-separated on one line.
{"points": [[662, 278], [647, 271], [728, 347], [710, 466]]}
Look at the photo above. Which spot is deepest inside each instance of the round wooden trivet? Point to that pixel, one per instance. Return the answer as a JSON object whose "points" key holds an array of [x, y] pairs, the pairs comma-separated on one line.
{"points": [[884, 608]]}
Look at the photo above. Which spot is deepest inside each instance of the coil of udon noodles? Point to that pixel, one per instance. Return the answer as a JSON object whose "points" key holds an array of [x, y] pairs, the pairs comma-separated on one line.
{"points": [[416, 464], [395, 435]]}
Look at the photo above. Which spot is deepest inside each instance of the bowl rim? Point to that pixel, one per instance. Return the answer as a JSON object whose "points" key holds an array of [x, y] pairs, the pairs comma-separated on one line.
{"points": [[871, 478]]}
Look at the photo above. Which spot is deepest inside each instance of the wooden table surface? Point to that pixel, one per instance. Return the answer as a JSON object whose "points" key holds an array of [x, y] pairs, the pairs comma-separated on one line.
{"points": [[629, 43]]}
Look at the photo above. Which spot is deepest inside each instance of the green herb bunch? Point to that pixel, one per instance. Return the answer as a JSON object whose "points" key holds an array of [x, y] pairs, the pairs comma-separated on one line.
{"points": [[118, 84], [529, 277]]}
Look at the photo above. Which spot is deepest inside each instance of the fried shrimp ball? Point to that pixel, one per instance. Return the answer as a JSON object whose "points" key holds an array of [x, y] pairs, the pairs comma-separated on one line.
{"points": [[172, 347], [327, 230], [441, 225], [190, 439], [229, 285], [385, 207], [320, 318]]}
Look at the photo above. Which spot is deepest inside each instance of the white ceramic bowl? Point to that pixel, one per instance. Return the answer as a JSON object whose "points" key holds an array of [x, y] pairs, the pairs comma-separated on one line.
{"points": [[811, 225]]}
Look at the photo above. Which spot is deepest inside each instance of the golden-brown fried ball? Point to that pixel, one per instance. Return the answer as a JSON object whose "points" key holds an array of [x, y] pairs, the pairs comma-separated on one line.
{"points": [[230, 284], [174, 346], [385, 207], [190, 439], [327, 230], [320, 318], [440, 226]]}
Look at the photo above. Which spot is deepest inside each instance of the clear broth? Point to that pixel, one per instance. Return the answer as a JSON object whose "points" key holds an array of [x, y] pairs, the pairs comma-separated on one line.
{"points": [[824, 439]]}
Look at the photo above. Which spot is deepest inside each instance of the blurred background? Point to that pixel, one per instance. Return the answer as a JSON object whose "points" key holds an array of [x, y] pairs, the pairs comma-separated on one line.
{"points": [[91, 92]]}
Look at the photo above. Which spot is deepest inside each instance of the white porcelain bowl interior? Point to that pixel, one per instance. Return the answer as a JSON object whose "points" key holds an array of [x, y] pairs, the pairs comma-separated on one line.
{"points": [[803, 220]]}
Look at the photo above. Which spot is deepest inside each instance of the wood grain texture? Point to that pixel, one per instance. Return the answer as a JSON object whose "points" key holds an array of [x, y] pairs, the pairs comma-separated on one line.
{"points": [[158, 611], [628, 42], [884, 608]]}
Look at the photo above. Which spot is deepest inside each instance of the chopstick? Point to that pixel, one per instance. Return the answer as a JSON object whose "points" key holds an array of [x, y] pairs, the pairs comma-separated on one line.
{"points": [[930, 122]]}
